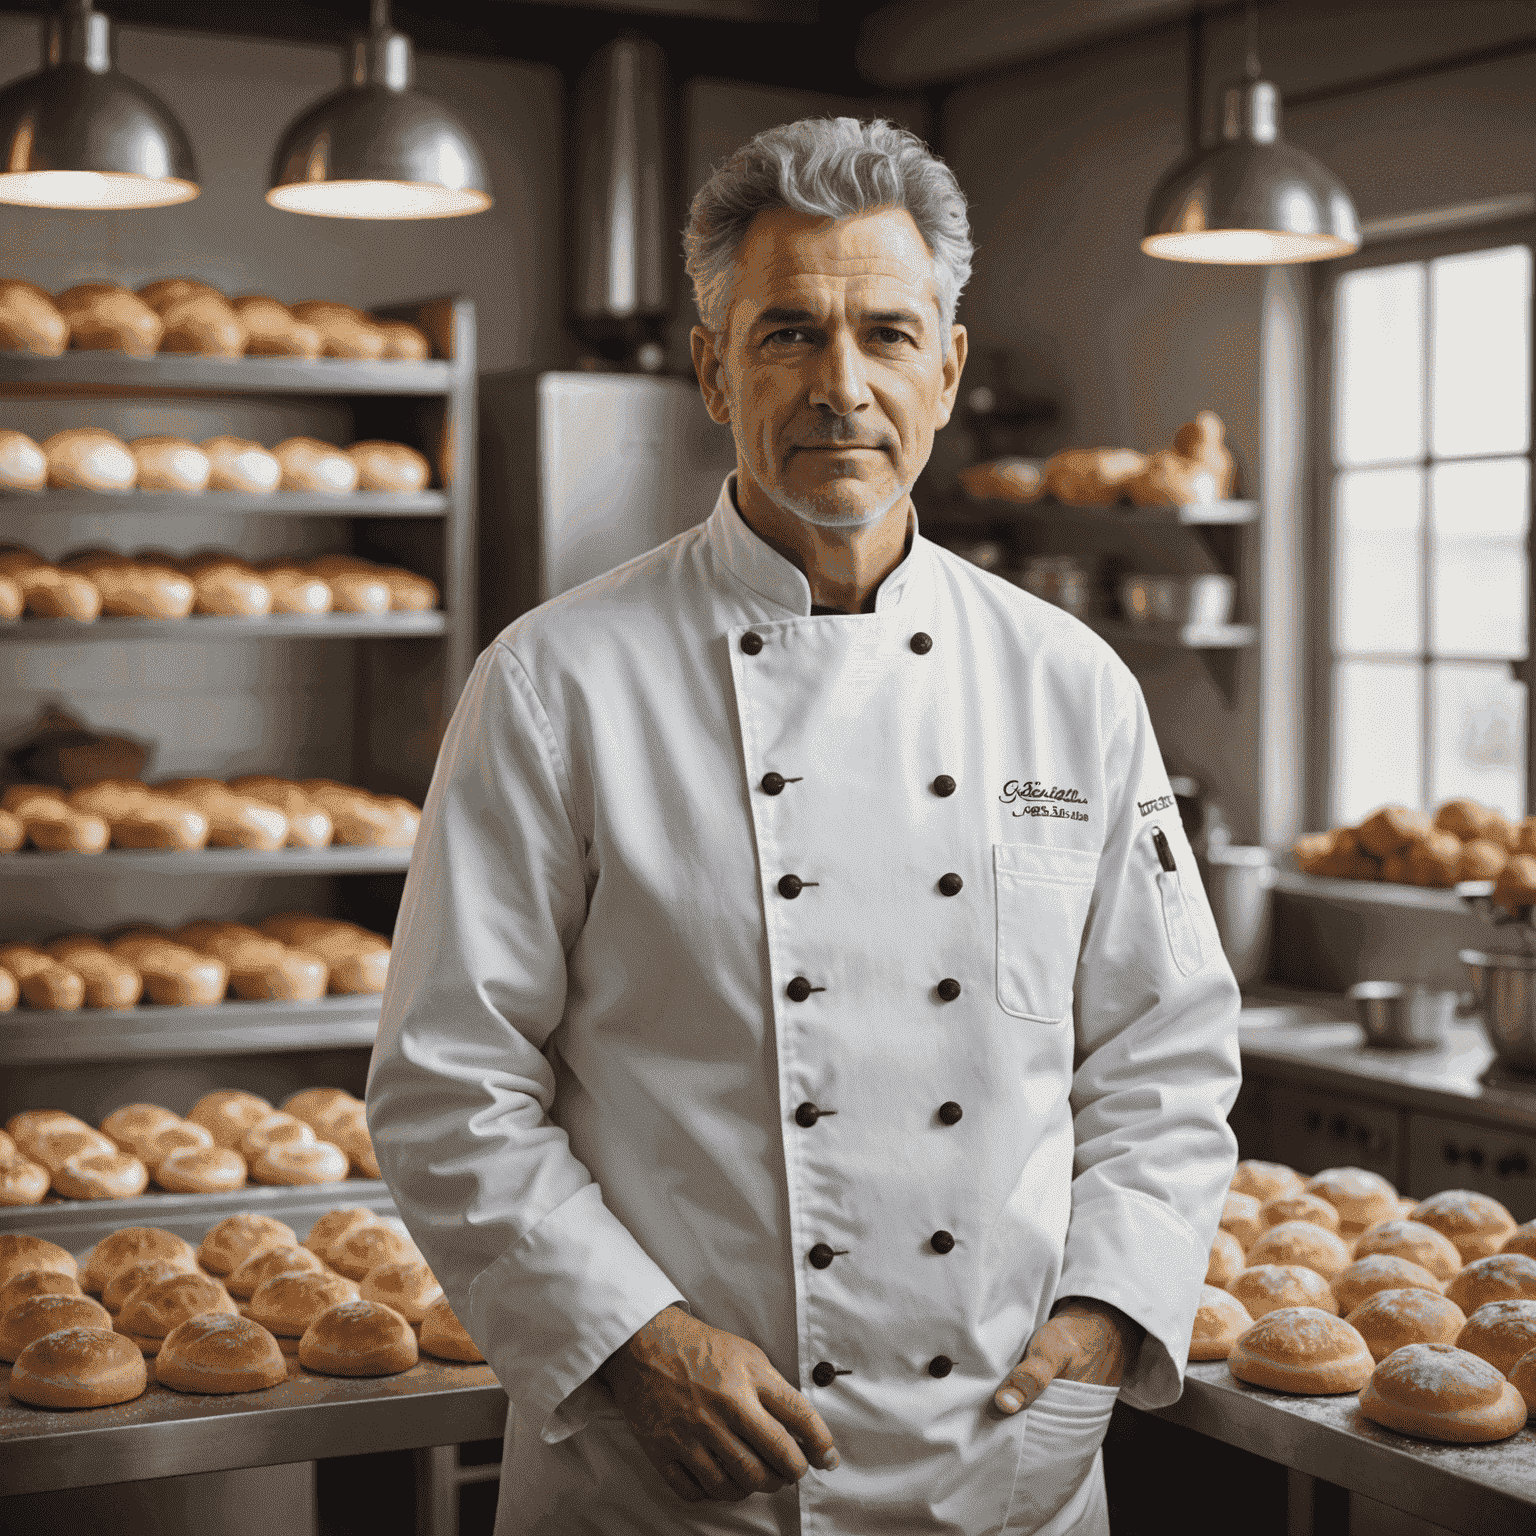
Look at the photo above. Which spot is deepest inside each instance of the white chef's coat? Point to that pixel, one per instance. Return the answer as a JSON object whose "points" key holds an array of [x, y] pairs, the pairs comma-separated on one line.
{"points": [[625, 1060]]}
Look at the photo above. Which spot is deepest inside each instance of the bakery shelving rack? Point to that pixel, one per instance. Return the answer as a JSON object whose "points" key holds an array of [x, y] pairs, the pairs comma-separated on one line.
{"points": [[70, 503], [336, 860], [275, 626]]}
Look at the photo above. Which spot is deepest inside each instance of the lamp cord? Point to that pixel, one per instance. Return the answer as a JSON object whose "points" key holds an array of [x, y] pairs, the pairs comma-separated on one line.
{"points": [[1251, 66]]}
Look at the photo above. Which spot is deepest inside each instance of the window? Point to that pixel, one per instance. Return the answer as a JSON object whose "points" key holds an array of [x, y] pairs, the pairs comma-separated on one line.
{"points": [[1426, 501]]}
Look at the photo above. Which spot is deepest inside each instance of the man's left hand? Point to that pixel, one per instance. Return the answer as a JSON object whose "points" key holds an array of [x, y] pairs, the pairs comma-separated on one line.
{"points": [[1084, 1340]]}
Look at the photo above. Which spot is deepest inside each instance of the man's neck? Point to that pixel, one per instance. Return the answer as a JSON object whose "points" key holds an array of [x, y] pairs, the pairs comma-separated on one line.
{"points": [[843, 566]]}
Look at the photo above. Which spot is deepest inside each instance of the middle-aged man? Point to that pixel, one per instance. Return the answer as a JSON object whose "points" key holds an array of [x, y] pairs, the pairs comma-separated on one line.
{"points": [[807, 1045]]}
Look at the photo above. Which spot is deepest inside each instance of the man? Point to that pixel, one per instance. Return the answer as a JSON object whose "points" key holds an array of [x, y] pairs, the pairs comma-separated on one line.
{"points": [[807, 1046]]}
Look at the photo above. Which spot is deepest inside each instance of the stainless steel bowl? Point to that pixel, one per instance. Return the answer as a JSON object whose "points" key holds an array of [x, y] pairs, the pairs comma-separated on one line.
{"points": [[1504, 997], [1402, 1016], [1206, 599]]}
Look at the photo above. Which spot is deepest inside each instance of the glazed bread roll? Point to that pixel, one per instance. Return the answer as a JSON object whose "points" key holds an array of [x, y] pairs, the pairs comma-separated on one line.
{"points": [[78, 1368], [154, 1310], [1411, 1240], [1500, 1277], [1476, 1224], [358, 960], [409, 1288], [201, 1170], [350, 591], [125, 1282], [263, 1265], [289, 1302], [408, 592], [259, 967], [88, 459], [272, 330], [44, 983], [1300, 1242], [1091, 476], [1220, 1321], [443, 1335], [385, 466], [49, 593], [1500, 1332], [362, 819], [134, 1245], [205, 324], [101, 1176], [310, 465], [174, 976], [1302, 1350], [237, 464], [294, 590], [131, 589], [22, 1182], [20, 1252], [53, 1145], [1439, 1392], [358, 1338], [234, 821], [276, 1129], [1362, 1198], [229, 1113], [1299, 1206], [216, 1353], [183, 1136], [316, 1107], [30, 321], [402, 341], [230, 587], [30, 1121], [1265, 1288], [170, 464], [109, 982], [366, 1247], [23, 465], [334, 1226], [165, 293], [1380, 1272], [103, 317], [41, 1315], [226, 1246], [319, 1162], [1264, 1181], [36, 1282], [1522, 1240], [344, 331]]}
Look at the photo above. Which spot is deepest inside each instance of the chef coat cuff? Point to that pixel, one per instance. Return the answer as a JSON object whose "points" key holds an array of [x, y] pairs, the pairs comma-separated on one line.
{"points": [[556, 1305], [1141, 1256]]}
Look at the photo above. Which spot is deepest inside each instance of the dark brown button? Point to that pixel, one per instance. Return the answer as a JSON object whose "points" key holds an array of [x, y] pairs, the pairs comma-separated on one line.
{"points": [[798, 990], [942, 1241], [790, 886], [943, 786], [921, 643], [949, 989], [824, 1374], [751, 642], [950, 1112], [773, 783], [821, 1256], [950, 885], [940, 1365], [808, 1114]]}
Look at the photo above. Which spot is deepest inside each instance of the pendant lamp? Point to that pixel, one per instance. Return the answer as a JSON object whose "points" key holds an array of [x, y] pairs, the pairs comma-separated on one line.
{"points": [[378, 149], [1253, 200], [79, 134]]}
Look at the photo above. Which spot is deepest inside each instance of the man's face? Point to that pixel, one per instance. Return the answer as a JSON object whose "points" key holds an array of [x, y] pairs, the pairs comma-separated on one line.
{"points": [[831, 370]]}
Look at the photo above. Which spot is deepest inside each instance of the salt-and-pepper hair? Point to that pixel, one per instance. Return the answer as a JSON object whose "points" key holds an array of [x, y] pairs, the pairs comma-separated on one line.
{"points": [[835, 167]]}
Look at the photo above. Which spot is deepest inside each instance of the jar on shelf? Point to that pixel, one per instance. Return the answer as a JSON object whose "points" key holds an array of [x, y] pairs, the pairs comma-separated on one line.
{"points": [[1059, 579]]}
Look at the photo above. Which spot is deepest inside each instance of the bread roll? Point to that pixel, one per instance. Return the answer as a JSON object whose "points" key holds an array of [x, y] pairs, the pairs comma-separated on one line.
{"points": [[1091, 476], [352, 591], [101, 1176], [234, 821], [288, 1302], [1476, 1224], [316, 1106], [30, 321], [12, 605], [125, 1282], [205, 324], [408, 592], [134, 590], [49, 593], [344, 331], [294, 590], [1439, 1392], [104, 317], [1299, 1206], [1435, 860], [310, 465], [272, 330], [1220, 1321], [12, 833], [10, 994], [165, 293], [30, 1121], [158, 821], [409, 1287], [154, 1310], [1264, 1288], [44, 983], [1391, 829], [41, 1315], [216, 1353], [259, 967], [267, 1262], [1300, 1242], [383, 466], [133, 1245], [276, 1129], [1500, 1277], [22, 1182], [20, 1251], [1302, 1350], [237, 464], [229, 587], [182, 1136], [1362, 1198], [1008, 479], [229, 1113], [1414, 1241], [334, 1226], [201, 1170], [1481, 860], [443, 1335], [232, 1241], [36, 1282], [1168, 478], [365, 820], [358, 1338], [170, 464], [78, 1368], [357, 959], [1500, 1332], [366, 1247], [89, 459], [319, 1162], [1522, 1240], [1380, 1272], [1204, 441], [23, 465], [1515, 887], [1263, 1181], [109, 982], [174, 976], [1523, 1379], [354, 1139], [403, 341], [53, 1145]]}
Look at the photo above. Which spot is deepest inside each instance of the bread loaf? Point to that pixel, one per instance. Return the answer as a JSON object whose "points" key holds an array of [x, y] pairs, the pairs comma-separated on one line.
{"points": [[234, 821], [170, 464], [20, 1251], [358, 960], [383, 466], [88, 459], [30, 321], [78, 1368], [165, 293], [1091, 476], [227, 1245], [43, 982], [403, 341], [443, 1335], [23, 464], [109, 982], [205, 324], [344, 331], [358, 1338], [237, 464], [272, 329], [1380, 1272], [259, 967], [1439, 1392], [1302, 1350], [309, 826], [1476, 1224], [310, 465], [174, 976], [228, 1113], [104, 317]]}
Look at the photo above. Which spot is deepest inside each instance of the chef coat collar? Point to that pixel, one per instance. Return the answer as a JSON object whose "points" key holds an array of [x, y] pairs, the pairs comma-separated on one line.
{"points": [[781, 582]]}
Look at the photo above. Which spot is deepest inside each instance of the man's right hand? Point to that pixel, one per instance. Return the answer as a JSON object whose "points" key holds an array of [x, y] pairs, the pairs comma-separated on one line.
{"points": [[711, 1414]]}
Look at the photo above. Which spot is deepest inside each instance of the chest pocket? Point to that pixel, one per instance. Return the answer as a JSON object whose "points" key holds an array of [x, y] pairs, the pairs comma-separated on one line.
{"points": [[1042, 905]]}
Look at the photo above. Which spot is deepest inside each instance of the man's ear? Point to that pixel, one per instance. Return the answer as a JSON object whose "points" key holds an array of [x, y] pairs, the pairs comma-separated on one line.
{"points": [[707, 366], [954, 366]]}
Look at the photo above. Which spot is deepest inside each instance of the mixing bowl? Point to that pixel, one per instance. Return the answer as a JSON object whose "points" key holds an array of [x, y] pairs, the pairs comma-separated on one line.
{"points": [[1504, 998], [1402, 1016]]}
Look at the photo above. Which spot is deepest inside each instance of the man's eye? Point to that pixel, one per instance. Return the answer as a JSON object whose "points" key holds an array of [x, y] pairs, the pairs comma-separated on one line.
{"points": [[788, 335], [889, 336]]}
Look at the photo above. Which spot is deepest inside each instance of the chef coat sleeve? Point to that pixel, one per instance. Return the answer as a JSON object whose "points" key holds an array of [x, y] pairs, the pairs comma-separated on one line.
{"points": [[1157, 1068], [546, 1279]]}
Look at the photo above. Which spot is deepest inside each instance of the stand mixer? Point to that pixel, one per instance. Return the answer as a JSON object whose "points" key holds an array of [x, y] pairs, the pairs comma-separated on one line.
{"points": [[1503, 994]]}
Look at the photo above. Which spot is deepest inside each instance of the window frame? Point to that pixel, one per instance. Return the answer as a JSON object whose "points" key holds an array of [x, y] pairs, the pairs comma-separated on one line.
{"points": [[1318, 604]]}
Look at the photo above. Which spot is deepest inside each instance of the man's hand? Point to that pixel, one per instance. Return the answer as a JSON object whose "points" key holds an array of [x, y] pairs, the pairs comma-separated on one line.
{"points": [[1084, 1340], [711, 1414]]}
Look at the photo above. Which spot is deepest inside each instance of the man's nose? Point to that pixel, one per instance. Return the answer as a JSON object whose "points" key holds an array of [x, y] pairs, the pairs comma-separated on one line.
{"points": [[840, 385]]}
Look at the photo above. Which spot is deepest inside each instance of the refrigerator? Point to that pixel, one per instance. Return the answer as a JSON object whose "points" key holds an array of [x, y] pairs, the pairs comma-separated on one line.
{"points": [[580, 472]]}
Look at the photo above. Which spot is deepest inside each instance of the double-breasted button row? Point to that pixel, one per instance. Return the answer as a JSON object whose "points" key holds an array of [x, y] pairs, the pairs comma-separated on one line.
{"points": [[824, 1373], [752, 643]]}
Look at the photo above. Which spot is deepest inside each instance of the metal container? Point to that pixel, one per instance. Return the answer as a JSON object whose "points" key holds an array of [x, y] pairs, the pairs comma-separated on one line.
{"points": [[1205, 599], [1402, 1016], [1238, 881], [1503, 997]]}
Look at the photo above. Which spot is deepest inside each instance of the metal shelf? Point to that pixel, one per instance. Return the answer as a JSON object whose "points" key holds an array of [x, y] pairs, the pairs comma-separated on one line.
{"points": [[1195, 637], [969, 513], [71, 503], [76, 373], [277, 626], [32, 1037], [344, 860]]}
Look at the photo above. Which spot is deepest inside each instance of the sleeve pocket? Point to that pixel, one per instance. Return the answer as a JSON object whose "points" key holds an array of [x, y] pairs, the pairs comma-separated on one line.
{"points": [[1179, 924], [1042, 905]]}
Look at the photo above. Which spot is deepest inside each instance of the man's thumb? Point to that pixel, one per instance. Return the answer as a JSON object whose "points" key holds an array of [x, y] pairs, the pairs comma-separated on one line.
{"points": [[1026, 1381]]}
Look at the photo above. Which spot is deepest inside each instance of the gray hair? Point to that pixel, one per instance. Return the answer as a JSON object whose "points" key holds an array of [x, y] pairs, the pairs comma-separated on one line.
{"points": [[835, 167]]}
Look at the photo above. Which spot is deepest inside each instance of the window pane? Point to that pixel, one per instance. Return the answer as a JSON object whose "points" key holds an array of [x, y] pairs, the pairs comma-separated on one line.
{"points": [[1478, 511], [1380, 364], [1377, 736], [1481, 375], [1477, 735], [1377, 594]]}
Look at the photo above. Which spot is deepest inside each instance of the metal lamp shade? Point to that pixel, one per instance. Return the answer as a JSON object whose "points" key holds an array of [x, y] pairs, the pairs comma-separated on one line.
{"points": [[1254, 200], [78, 134]]}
